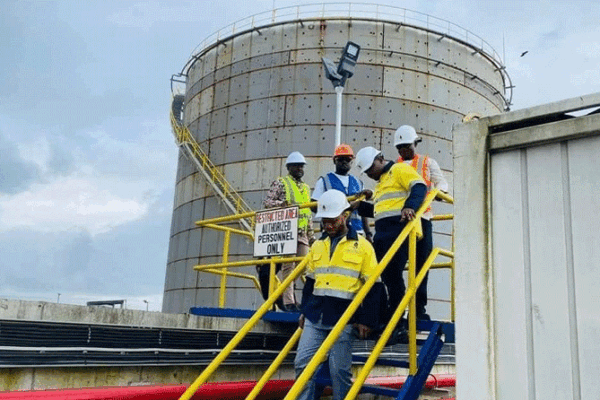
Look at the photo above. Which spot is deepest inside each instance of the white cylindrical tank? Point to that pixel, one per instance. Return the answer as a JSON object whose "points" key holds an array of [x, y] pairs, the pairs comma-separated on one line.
{"points": [[258, 92]]}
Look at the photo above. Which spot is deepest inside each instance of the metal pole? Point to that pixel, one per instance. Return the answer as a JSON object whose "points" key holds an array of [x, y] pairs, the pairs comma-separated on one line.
{"points": [[338, 115]]}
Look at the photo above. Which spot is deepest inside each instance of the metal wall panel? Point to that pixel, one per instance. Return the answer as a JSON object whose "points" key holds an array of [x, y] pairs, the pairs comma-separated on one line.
{"points": [[549, 289], [268, 41], [545, 270], [238, 89], [181, 251], [195, 240], [241, 47], [512, 283], [237, 118], [584, 164]]}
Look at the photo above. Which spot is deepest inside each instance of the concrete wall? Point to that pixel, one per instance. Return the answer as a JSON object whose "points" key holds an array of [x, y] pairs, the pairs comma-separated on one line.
{"points": [[95, 376], [528, 193], [254, 97]]}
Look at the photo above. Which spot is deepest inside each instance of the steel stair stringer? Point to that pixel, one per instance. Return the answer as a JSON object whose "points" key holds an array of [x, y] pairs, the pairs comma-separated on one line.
{"points": [[215, 178], [414, 383]]}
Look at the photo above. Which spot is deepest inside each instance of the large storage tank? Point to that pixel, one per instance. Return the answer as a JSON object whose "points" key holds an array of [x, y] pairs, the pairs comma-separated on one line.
{"points": [[256, 91]]}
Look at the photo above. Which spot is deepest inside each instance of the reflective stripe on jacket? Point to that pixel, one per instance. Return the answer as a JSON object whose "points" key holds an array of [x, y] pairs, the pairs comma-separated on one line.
{"points": [[393, 189], [421, 165], [297, 195], [343, 273]]}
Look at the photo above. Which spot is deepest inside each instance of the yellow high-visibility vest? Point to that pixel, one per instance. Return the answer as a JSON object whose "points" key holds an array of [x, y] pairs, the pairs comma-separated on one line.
{"points": [[393, 189], [344, 273], [295, 194]]}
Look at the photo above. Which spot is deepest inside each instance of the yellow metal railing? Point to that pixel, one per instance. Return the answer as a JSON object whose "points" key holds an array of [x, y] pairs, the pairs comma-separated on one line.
{"points": [[408, 301], [213, 175], [222, 268]]}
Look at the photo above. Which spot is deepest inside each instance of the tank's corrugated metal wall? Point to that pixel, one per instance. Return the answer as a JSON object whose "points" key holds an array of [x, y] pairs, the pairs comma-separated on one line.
{"points": [[254, 97]]}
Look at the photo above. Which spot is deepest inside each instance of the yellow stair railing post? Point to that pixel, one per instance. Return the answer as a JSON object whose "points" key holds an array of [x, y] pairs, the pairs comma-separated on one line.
{"points": [[275, 365], [223, 289], [412, 314], [272, 278]]}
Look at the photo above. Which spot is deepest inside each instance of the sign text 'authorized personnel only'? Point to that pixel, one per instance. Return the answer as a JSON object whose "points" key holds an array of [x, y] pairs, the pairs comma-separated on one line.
{"points": [[276, 232]]}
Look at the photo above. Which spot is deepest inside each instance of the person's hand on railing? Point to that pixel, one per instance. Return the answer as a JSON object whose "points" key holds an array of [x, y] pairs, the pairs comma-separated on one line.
{"points": [[301, 321], [367, 193], [407, 214], [363, 331]]}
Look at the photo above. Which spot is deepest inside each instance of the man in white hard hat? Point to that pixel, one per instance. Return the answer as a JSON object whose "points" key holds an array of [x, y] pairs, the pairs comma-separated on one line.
{"points": [[406, 140], [398, 194], [286, 191], [341, 180], [338, 265]]}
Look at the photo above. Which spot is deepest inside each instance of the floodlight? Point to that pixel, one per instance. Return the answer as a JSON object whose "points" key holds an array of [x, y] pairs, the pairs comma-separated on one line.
{"points": [[348, 60]]}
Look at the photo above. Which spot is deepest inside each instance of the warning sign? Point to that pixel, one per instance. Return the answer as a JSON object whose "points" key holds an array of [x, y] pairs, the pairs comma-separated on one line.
{"points": [[276, 232]]}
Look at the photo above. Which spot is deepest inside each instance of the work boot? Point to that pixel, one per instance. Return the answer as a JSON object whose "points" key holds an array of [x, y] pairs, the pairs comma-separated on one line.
{"points": [[399, 336], [422, 314]]}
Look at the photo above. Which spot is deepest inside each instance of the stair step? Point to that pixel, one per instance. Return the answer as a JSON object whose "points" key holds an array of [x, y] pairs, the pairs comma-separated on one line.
{"points": [[380, 390], [382, 361]]}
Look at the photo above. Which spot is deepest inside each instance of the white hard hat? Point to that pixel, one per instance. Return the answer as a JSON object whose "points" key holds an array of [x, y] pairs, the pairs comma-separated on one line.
{"points": [[365, 157], [295, 157], [331, 204], [406, 134]]}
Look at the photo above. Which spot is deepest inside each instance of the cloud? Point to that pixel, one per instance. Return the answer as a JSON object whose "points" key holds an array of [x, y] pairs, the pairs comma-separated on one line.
{"points": [[145, 14], [69, 203], [16, 173], [126, 263]]}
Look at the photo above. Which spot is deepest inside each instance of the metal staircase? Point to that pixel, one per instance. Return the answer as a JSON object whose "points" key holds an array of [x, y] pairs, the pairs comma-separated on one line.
{"points": [[213, 176], [420, 361], [439, 333]]}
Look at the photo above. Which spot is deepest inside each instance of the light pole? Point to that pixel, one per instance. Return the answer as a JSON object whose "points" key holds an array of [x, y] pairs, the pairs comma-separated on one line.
{"points": [[146, 301], [338, 76], [58, 298]]}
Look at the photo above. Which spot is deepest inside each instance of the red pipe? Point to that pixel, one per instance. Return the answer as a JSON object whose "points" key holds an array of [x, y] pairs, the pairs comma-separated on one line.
{"points": [[273, 390]]}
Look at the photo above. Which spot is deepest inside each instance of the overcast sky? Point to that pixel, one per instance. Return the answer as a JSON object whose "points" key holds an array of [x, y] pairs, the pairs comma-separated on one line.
{"points": [[87, 158]]}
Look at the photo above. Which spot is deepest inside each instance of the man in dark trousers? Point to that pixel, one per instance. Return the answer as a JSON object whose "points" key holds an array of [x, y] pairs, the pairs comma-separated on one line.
{"points": [[397, 196], [406, 140]]}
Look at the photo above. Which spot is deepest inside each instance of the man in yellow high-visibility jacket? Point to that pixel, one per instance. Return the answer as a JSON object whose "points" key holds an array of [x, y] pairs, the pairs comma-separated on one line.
{"points": [[338, 265], [406, 140], [398, 194], [286, 191]]}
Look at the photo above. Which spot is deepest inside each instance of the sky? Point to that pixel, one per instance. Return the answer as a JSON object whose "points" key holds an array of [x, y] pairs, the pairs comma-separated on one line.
{"points": [[87, 157]]}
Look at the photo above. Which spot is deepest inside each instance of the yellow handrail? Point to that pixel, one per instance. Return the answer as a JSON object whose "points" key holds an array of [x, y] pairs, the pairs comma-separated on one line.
{"points": [[235, 275], [251, 214]]}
